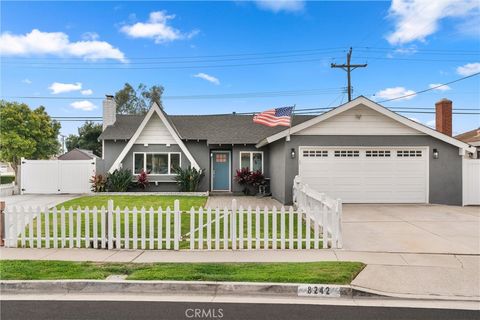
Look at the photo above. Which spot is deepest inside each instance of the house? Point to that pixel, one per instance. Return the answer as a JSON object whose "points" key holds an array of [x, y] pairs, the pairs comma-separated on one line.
{"points": [[359, 152], [78, 154], [471, 137]]}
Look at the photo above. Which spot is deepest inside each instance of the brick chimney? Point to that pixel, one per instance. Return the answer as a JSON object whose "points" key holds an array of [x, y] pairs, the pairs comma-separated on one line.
{"points": [[443, 116], [109, 111]]}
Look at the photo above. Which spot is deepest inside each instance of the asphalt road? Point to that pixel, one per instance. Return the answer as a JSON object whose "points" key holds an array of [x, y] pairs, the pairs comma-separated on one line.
{"points": [[119, 310]]}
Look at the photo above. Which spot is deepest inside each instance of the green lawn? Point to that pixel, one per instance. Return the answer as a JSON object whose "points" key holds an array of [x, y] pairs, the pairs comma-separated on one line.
{"points": [[186, 202], [311, 272]]}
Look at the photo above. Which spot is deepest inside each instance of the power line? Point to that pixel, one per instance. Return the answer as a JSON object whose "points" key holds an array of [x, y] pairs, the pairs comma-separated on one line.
{"points": [[430, 89], [208, 96]]}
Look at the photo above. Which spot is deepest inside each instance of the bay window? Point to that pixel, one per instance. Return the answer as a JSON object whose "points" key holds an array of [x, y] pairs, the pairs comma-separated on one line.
{"points": [[251, 160], [155, 163]]}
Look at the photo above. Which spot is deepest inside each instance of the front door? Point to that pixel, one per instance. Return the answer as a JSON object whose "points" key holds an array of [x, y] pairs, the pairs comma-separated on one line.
{"points": [[221, 171]]}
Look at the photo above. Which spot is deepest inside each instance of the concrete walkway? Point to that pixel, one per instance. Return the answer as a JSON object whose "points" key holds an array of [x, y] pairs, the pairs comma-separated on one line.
{"points": [[426, 276], [38, 200]]}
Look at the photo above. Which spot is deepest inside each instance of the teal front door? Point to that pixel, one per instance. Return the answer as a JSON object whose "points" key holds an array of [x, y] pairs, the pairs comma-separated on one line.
{"points": [[221, 171]]}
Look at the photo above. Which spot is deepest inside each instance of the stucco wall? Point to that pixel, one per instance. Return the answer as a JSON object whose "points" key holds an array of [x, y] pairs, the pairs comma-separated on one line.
{"points": [[278, 158], [112, 150], [445, 173], [201, 153]]}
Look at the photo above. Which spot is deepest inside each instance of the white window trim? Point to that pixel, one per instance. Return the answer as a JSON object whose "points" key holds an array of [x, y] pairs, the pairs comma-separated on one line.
{"points": [[152, 152], [251, 159]]}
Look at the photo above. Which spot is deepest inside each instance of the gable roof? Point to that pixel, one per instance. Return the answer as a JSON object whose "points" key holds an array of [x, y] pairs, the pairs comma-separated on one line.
{"points": [[471, 137], [78, 154], [155, 109], [375, 106], [215, 129]]}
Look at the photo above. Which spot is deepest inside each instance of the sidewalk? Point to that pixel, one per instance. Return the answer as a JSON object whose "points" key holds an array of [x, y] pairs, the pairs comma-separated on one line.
{"points": [[404, 275]]}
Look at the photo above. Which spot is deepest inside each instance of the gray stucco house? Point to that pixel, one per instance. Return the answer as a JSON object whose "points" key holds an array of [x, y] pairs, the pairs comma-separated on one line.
{"points": [[360, 152]]}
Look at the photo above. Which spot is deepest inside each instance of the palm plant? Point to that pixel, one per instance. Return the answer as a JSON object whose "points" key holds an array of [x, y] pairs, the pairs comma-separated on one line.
{"points": [[188, 178]]}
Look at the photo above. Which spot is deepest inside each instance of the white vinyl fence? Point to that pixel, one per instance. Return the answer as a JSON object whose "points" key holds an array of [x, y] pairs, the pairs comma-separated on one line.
{"points": [[471, 182], [56, 176], [233, 228], [325, 211]]}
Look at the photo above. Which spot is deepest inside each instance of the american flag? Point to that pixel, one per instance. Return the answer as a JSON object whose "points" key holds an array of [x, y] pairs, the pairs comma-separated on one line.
{"points": [[274, 117]]}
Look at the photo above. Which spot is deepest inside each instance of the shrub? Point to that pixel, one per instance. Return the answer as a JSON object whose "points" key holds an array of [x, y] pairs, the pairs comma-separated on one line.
{"points": [[98, 183], [119, 180], [242, 177], [6, 179], [142, 180], [188, 179], [257, 179]]}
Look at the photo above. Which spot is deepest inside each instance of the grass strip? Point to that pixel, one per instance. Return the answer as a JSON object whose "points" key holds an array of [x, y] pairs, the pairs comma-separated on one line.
{"points": [[331, 272]]}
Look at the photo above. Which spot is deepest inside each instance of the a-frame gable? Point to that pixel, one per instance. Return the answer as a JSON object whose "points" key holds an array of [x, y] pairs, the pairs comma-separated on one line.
{"points": [[155, 109], [376, 107]]}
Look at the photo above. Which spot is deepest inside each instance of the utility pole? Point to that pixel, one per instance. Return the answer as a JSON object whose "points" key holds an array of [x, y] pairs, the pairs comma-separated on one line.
{"points": [[349, 68]]}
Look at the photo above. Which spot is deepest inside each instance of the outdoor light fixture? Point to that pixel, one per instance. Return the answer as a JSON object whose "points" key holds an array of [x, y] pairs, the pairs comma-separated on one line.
{"points": [[435, 154], [292, 153]]}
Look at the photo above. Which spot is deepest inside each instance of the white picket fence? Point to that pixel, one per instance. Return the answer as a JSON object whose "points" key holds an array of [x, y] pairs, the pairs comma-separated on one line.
{"points": [[314, 225], [326, 211]]}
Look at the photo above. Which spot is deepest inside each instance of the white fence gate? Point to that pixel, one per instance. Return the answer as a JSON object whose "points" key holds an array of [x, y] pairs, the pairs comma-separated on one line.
{"points": [[56, 176], [326, 211], [471, 182]]}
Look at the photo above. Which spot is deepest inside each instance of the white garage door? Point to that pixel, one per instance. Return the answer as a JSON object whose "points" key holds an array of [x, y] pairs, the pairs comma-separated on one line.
{"points": [[367, 174]]}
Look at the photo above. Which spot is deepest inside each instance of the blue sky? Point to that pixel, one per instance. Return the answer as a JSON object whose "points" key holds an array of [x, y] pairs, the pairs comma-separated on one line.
{"points": [[84, 50]]}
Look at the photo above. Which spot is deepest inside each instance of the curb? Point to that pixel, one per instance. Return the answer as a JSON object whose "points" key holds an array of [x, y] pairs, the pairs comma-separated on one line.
{"points": [[165, 287]]}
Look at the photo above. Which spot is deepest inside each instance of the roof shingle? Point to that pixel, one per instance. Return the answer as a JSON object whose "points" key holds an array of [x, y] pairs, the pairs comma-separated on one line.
{"points": [[216, 129]]}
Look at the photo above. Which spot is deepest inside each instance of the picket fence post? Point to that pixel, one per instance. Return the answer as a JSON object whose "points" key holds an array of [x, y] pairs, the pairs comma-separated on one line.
{"points": [[177, 224], [110, 224]]}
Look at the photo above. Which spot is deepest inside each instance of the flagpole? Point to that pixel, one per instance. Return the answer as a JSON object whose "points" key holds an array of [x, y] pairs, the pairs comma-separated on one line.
{"points": [[291, 121]]}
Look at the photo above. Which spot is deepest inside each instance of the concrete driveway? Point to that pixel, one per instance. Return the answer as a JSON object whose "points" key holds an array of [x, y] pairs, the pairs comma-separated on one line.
{"points": [[411, 228], [35, 200]]}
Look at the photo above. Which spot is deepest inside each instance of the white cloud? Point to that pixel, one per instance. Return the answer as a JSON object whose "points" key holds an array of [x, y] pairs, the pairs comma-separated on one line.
{"points": [[37, 42], [207, 77], [431, 123], [281, 5], [391, 93], [58, 87], [87, 92], [417, 19], [90, 36], [469, 69], [157, 28], [83, 105], [415, 119], [442, 88], [27, 81]]}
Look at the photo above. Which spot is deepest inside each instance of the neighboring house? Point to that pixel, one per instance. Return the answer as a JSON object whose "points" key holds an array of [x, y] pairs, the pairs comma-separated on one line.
{"points": [[78, 154], [6, 169], [471, 137], [359, 152]]}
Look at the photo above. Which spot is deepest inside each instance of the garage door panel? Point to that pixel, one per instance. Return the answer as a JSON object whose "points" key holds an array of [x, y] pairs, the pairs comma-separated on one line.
{"points": [[367, 174]]}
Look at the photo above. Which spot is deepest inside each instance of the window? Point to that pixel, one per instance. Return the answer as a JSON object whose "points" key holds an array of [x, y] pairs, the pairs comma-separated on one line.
{"points": [[409, 153], [252, 160], [347, 153], [377, 153], [138, 162], [315, 153], [155, 163]]}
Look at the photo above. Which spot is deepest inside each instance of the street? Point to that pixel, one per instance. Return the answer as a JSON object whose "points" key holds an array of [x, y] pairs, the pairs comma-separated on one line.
{"points": [[158, 310]]}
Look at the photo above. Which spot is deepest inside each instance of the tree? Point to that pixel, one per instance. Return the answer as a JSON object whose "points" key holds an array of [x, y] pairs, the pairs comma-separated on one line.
{"points": [[131, 101], [26, 133], [87, 138]]}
